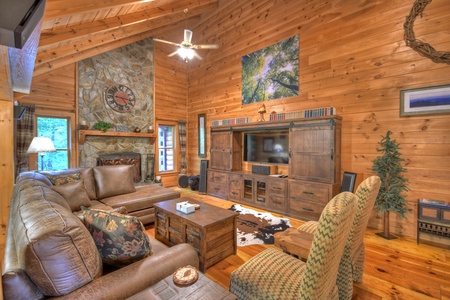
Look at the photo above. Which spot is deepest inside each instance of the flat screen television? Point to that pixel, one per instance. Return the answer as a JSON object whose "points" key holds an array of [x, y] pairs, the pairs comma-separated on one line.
{"points": [[267, 146]]}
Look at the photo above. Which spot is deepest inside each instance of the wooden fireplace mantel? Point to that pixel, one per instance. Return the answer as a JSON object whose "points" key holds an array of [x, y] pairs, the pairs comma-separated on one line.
{"points": [[84, 133]]}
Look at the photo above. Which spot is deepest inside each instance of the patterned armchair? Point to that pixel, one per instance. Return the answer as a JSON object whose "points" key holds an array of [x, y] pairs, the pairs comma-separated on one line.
{"points": [[367, 193], [273, 274]]}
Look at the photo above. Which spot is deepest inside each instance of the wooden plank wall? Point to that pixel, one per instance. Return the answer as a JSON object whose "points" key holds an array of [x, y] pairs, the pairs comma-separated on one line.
{"points": [[352, 57], [170, 92], [6, 149]]}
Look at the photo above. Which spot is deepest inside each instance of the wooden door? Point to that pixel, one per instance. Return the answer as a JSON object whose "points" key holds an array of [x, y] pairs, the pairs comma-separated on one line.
{"points": [[221, 150], [312, 150]]}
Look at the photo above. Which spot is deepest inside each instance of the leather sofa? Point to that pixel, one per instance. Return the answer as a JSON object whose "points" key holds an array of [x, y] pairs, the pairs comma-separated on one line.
{"points": [[49, 253]]}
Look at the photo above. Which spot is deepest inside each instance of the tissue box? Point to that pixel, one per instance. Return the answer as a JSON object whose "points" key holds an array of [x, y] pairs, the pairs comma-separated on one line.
{"points": [[185, 207]]}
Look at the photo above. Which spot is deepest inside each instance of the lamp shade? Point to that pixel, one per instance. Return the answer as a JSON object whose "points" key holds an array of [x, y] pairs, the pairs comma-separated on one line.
{"points": [[41, 144]]}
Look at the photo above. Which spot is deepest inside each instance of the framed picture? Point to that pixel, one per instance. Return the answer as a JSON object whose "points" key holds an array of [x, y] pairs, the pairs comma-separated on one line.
{"points": [[202, 135], [268, 145], [425, 101]]}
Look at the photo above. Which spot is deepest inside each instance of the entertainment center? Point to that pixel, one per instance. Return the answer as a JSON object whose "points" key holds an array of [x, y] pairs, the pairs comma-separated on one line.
{"points": [[288, 166]]}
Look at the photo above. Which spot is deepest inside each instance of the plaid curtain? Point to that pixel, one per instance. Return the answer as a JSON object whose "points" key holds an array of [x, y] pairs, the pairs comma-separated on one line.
{"points": [[182, 133], [25, 134]]}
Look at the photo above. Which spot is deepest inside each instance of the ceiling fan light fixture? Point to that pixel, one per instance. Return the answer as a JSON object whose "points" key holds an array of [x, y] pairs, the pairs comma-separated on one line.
{"points": [[186, 53]]}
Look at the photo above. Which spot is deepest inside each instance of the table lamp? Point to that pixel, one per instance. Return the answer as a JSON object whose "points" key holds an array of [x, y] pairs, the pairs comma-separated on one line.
{"points": [[41, 144]]}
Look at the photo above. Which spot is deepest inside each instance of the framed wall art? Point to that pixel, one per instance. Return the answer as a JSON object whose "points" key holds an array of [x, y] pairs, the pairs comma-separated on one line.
{"points": [[202, 135], [271, 73], [425, 101]]}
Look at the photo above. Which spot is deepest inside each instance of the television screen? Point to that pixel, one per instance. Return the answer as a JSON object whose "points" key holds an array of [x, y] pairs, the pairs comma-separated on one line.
{"points": [[269, 146]]}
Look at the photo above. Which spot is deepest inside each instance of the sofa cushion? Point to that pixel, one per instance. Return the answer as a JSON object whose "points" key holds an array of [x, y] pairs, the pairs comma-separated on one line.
{"points": [[120, 239], [75, 195], [56, 250], [87, 174], [113, 180]]}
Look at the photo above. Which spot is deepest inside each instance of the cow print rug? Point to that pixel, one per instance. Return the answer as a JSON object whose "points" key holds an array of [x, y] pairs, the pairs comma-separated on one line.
{"points": [[254, 227]]}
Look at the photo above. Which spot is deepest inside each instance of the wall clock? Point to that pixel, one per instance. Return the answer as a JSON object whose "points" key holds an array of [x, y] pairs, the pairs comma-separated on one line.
{"points": [[120, 98]]}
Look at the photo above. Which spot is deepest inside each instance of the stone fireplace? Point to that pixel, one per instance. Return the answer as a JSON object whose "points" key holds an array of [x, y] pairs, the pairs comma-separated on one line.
{"points": [[125, 158]]}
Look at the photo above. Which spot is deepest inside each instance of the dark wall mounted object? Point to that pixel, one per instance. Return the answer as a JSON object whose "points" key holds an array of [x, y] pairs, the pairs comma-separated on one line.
{"points": [[18, 20], [18, 112], [348, 182]]}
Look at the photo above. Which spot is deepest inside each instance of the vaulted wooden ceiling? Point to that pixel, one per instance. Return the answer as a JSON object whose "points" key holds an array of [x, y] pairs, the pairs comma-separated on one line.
{"points": [[75, 30]]}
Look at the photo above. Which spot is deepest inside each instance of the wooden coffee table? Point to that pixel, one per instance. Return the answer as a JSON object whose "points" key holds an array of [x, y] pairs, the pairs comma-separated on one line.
{"points": [[211, 230]]}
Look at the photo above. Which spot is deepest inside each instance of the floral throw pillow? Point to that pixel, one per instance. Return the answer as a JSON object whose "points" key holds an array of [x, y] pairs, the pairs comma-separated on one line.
{"points": [[120, 239], [62, 179]]}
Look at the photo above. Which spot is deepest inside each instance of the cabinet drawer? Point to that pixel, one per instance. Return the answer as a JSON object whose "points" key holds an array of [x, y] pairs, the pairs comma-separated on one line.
{"points": [[217, 177], [277, 187], [277, 202], [176, 223], [305, 209], [175, 237], [217, 189], [311, 192], [235, 181], [193, 237], [234, 194]]}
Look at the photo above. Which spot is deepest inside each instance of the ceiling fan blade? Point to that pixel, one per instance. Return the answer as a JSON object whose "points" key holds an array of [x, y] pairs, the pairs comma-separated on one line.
{"points": [[198, 56], [187, 36], [167, 42], [173, 53], [210, 46]]}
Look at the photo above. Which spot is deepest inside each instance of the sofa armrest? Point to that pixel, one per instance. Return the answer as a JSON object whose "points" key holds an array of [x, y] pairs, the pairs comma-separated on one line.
{"points": [[138, 276]]}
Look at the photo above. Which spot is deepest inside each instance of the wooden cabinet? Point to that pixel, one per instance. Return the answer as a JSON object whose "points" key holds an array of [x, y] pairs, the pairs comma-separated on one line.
{"points": [[315, 150], [225, 150], [218, 183], [314, 167]]}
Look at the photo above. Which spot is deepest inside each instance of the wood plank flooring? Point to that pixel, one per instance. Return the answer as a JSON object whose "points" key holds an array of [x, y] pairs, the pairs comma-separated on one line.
{"points": [[395, 269]]}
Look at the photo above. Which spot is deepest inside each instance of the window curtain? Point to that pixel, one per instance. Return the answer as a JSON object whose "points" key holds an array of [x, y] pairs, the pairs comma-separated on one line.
{"points": [[24, 136], [182, 134]]}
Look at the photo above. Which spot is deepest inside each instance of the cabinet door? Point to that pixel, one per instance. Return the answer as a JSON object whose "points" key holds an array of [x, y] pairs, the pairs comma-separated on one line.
{"points": [[312, 150], [261, 192], [247, 195], [221, 150]]}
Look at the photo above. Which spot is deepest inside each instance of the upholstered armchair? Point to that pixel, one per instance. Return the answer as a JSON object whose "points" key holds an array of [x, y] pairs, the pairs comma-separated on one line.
{"points": [[295, 241], [273, 274]]}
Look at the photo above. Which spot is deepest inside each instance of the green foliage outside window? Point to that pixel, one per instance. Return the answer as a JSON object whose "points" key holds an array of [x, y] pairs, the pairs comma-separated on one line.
{"points": [[57, 130]]}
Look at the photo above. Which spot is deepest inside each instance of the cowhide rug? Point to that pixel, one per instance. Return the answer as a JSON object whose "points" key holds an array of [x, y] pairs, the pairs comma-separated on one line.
{"points": [[254, 227]]}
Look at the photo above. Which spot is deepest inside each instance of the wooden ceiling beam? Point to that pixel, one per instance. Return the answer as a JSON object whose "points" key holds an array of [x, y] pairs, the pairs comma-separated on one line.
{"points": [[93, 51], [49, 37], [72, 47], [61, 8]]}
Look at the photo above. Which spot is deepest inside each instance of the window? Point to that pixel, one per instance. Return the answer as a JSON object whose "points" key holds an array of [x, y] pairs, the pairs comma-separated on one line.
{"points": [[57, 129], [166, 148]]}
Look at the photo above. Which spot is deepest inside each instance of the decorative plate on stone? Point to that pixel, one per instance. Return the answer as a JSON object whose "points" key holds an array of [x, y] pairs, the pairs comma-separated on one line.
{"points": [[185, 275]]}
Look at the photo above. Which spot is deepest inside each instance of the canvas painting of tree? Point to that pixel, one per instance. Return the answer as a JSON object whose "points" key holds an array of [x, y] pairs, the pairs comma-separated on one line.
{"points": [[271, 73]]}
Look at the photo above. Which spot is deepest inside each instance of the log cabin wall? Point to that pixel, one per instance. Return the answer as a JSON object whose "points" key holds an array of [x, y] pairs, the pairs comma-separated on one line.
{"points": [[6, 149], [352, 57]]}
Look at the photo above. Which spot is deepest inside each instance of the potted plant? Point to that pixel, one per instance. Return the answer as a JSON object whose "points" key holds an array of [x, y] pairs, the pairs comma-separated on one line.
{"points": [[389, 168], [103, 126]]}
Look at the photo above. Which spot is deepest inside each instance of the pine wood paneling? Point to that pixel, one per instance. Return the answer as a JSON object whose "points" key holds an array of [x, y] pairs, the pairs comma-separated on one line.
{"points": [[352, 57], [54, 90], [7, 148]]}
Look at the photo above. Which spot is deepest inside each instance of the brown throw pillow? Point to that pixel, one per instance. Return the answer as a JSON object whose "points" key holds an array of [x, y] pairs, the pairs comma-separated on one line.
{"points": [[75, 194], [113, 180], [120, 239]]}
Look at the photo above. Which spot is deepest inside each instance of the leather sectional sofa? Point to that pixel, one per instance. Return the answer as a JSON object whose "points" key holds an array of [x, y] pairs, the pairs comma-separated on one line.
{"points": [[50, 253]]}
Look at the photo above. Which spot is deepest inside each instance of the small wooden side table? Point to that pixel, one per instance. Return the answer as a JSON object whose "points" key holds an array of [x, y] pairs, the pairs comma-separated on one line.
{"points": [[204, 288], [294, 242], [433, 222]]}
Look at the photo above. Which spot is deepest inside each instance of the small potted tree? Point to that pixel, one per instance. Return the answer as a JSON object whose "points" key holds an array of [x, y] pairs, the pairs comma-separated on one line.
{"points": [[389, 168]]}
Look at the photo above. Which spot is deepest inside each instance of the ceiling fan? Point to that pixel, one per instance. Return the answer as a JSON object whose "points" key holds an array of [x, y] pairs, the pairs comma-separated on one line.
{"points": [[186, 50]]}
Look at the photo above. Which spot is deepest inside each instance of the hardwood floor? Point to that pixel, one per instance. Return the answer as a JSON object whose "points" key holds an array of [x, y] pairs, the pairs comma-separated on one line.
{"points": [[394, 269]]}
